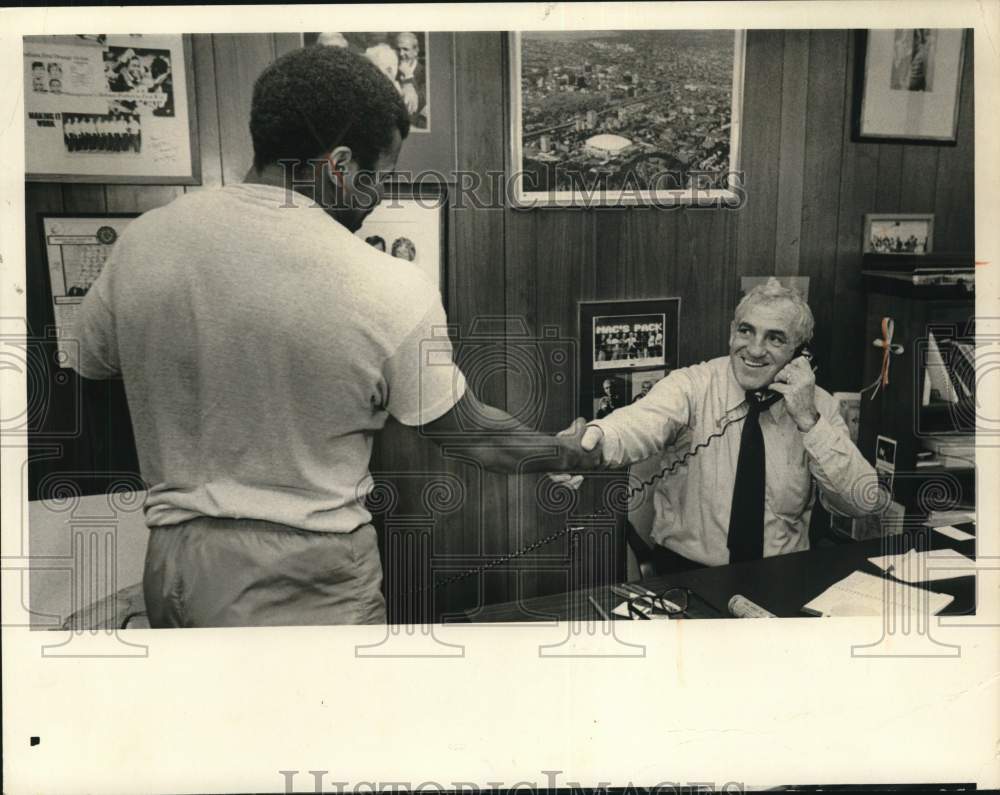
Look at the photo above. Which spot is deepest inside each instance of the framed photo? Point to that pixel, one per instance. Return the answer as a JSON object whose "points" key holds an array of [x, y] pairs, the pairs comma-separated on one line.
{"points": [[626, 347], [618, 117], [420, 65], [110, 108], [898, 234], [410, 224], [76, 248], [907, 84], [849, 408]]}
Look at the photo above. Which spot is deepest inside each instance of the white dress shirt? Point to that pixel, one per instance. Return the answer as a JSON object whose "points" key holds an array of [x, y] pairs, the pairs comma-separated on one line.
{"points": [[692, 504]]}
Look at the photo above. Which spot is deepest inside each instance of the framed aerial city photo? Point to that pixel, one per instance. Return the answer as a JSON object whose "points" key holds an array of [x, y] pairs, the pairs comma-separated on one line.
{"points": [[907, 85], [110, 108], [625, 348], [605, 118]]}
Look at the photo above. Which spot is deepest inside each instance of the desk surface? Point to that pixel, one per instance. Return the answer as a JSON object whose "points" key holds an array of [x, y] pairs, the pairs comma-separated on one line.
{"points": [[781, 584]]}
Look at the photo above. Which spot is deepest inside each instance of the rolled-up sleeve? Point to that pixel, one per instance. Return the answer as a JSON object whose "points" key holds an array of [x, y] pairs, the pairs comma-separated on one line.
{"points": [[93, 343], [847, 482], [423, 380], [633, 433]]}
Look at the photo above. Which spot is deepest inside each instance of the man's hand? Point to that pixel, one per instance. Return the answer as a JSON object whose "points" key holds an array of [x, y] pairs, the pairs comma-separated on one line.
{"points": [[584, 442], [410, 97], [797, 383]]}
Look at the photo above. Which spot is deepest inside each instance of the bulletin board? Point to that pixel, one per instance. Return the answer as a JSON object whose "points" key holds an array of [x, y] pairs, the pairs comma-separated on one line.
{"points": [[110, 109]]}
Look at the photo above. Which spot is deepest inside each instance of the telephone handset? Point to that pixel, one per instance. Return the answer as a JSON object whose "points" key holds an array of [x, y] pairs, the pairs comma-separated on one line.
{"points": [[765, 398]]}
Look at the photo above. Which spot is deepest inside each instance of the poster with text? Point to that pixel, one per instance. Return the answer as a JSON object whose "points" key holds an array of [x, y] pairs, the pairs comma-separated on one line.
{"points": [[107, 108]]}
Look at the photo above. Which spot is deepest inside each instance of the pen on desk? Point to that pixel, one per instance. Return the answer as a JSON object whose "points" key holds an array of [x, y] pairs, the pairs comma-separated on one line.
{"points": [[600, 610]]}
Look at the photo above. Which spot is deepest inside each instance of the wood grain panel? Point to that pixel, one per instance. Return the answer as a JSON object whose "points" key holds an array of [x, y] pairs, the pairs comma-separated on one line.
{"points": [[706, 281], [81, 198], [550, 257], [651, 270], [794, 91], [239, 59], [206, 97], [140, 198], [861, 178], [49, 408], [954, 201], [39, 197], [888, 197], [284, 43], [478, 282], [761, 148], [919, 178], [826, 113], [610, 225]]}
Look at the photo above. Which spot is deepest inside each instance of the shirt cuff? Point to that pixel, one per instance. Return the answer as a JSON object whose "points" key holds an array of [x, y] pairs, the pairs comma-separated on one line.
{"points": [[819, 438], [611, 443]]}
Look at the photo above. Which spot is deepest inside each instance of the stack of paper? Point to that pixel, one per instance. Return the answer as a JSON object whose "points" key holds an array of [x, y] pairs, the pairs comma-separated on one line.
{"points": [[957, 533], [861, 594], [937, 564]]}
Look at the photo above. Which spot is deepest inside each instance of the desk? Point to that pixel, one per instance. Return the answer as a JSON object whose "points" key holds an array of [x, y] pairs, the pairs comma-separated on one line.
{"points": [[781, 584]]}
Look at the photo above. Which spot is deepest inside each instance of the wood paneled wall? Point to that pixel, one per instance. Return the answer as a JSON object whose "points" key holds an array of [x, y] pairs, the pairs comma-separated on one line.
{"points": [[808, 187]]}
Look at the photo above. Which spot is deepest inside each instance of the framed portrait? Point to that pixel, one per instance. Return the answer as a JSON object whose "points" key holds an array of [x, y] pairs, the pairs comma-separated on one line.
{"points": [[625, 348], [895, 233], [76, 248], [410, 225], [907, 84], [110, 108], [622, 117], [420, 64]]}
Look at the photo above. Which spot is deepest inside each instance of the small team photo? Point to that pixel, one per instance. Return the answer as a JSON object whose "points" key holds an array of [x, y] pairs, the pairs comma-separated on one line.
{"points": [[900, 234], [627, 341], [108, 133]]}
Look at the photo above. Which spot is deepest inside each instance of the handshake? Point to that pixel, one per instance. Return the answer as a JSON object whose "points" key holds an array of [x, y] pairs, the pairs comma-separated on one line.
{"points": [[580, 448]]}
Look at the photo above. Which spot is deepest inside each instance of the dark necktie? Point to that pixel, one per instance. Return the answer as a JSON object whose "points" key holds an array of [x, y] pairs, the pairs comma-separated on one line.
{"points": [[746, 517]]}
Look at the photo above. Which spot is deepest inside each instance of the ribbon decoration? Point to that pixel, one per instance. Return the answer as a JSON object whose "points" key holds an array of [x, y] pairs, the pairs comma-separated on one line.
{"points": [[888, 348]]}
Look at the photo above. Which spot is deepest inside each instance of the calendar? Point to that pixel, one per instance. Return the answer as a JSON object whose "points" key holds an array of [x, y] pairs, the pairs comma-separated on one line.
{"points": [[76, 248]]}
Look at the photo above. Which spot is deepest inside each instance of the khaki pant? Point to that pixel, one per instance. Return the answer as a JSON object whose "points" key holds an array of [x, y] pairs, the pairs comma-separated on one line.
{"points": [[242, 572]]}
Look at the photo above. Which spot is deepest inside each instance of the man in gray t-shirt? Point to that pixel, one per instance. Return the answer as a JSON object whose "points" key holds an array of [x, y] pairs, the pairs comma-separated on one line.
{"points": [[263, 344]]}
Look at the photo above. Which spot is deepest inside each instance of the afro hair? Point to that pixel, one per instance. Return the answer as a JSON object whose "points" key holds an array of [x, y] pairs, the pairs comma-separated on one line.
{"points": [[312, 100]]}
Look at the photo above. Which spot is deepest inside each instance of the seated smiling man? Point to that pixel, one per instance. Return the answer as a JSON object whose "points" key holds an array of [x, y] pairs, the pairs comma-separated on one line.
{"points": [[749, 493]]}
